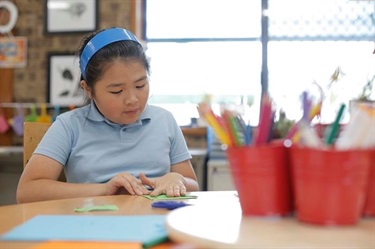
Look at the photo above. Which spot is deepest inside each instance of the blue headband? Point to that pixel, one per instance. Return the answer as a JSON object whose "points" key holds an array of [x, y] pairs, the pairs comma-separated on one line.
{"points": [[101, 40]]}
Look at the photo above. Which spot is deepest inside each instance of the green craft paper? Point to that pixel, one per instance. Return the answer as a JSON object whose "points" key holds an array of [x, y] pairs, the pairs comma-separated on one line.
{"points": [[97, 208], [165, 197]]}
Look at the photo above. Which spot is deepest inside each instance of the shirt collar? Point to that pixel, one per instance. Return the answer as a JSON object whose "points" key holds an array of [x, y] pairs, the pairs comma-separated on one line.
{"points": [[94, 115]]}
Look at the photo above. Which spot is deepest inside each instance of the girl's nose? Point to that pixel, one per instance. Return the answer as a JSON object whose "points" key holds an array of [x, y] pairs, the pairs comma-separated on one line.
{"points": [[131, 98]]}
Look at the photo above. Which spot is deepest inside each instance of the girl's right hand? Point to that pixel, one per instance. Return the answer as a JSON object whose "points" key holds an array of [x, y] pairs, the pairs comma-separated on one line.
{"points": [[125, 183]]}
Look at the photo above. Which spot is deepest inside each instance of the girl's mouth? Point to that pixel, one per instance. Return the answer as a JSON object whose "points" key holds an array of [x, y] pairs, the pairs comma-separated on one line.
{"points": [[131, 112]]}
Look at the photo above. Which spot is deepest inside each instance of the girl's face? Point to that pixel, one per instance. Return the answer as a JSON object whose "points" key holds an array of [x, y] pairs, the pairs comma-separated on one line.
{"points": [[122, 92]]}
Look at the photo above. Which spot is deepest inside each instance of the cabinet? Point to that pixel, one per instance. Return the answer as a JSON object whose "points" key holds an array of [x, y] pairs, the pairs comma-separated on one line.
{"points": [[6, 95], [218, 176], [196, 140]]}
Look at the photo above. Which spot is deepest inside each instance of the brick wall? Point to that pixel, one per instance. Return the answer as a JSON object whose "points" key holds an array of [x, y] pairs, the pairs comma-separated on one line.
{"points": [[30, 82]]}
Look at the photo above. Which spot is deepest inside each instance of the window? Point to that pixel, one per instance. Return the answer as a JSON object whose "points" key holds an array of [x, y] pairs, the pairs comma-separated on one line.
{"points": [[221, 48], [308, 40]]}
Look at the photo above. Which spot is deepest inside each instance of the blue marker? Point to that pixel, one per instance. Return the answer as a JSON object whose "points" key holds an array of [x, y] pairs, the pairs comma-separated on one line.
{"points": [[248, 134]]}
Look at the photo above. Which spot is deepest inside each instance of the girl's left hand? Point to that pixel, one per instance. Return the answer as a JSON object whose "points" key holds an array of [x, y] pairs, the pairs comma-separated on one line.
{"points": [[171, 184]]}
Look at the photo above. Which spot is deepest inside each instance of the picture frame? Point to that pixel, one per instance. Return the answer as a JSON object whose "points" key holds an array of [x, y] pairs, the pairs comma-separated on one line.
{"points": [[70, 16], [13, 52], [63, 80]]}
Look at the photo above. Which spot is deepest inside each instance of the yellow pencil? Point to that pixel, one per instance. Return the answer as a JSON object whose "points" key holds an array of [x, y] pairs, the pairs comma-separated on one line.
{"points": [[218, 129]]}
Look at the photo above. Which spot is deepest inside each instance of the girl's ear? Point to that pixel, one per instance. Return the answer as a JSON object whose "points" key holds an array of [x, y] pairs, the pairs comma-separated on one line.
{"points": [[86, 88]]}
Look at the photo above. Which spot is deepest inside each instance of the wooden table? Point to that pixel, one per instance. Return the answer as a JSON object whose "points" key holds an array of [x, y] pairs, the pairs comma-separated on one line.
{"points": [[213, 221], [13, 215]]}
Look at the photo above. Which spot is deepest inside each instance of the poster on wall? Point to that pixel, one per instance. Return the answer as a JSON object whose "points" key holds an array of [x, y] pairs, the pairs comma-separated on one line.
{"points": [[63, 86], [70, 16], [13, 52]]}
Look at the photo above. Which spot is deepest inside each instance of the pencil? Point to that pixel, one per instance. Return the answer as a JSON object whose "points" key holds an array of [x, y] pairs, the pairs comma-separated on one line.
{"points": [[218, 129], [264, 121]]}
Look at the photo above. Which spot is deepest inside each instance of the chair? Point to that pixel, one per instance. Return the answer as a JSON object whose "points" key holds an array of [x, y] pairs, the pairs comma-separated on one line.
{"points": [[33, 132]]}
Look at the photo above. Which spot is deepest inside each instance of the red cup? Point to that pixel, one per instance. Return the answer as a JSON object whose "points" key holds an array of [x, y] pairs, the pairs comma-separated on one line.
{"points": [[369, 209], [329, 185], [261, 177]]}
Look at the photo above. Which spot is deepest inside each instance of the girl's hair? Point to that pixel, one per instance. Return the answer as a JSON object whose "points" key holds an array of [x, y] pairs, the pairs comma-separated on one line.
{"points": [[125, 50]]}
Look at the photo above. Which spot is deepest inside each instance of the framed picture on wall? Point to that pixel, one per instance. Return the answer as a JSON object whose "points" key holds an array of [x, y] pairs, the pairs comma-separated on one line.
{"points": [[70, 16], [63, 83]]}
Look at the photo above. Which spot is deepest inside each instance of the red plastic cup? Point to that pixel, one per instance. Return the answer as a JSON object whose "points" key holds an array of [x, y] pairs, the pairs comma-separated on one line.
{"points": [[369, 209], [329, 185], [262, 179]]}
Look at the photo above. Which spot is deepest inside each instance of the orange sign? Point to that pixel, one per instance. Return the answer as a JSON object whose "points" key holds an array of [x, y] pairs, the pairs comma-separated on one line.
{"points": [[13, 52]]}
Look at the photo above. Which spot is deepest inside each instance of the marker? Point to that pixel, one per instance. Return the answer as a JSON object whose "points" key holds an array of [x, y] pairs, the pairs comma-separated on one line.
{"points": [[248, 134], [335, 126]]}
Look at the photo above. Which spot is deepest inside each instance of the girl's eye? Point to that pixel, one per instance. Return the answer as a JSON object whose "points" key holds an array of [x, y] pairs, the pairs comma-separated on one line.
{"points": [[116, 92], [141, 86]]}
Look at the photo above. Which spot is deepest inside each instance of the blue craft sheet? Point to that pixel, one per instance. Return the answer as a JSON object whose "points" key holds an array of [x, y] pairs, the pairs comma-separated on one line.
{"points": [[147, 229]]}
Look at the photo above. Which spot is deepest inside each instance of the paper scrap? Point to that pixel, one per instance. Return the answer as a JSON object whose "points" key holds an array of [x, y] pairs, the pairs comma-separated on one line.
{"points": [[97, 208]]}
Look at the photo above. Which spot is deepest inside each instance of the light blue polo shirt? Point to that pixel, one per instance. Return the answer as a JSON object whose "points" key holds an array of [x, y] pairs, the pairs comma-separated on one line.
{"points": [[93, 149]]}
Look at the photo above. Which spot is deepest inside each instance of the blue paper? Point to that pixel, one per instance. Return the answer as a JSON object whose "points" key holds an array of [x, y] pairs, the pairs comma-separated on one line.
{"points": [[147, 229], [170, 205]]}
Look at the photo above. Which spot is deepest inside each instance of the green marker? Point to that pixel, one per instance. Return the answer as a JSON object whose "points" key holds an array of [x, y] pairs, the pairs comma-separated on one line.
{"points": [[335, 126]]}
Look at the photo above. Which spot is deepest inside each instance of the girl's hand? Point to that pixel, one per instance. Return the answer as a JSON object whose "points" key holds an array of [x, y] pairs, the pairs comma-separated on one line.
{"points": [[171, 184], [126, 183]]}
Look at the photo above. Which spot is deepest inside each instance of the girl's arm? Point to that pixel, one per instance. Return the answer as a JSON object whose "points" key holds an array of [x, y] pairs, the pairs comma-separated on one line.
{"points": [[187, 171], [39, 182]]}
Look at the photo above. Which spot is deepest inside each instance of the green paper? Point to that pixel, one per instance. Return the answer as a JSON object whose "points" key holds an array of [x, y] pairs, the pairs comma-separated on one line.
{"points": [[165, 197], [97, 208]]}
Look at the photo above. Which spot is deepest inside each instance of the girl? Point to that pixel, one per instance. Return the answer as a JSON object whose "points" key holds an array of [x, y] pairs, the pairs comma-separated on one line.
{"points": [[117, 143]]}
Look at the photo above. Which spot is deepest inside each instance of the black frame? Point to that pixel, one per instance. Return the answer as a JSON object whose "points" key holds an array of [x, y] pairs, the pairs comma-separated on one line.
{"points": [[72, 26], [63, 80]]}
